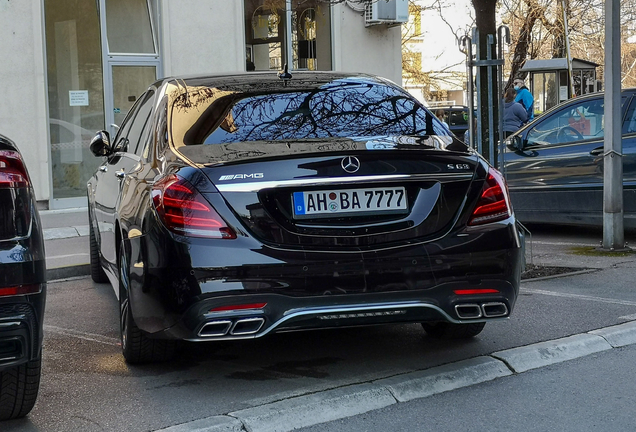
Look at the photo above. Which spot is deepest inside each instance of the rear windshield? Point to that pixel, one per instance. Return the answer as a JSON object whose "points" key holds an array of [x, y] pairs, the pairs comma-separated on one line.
{"points": [[343, 109]]}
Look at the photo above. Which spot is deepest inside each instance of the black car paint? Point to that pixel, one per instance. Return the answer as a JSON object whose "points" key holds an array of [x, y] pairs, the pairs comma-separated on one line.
{"points": [[563, 183], [22, 263], [175, 280]]}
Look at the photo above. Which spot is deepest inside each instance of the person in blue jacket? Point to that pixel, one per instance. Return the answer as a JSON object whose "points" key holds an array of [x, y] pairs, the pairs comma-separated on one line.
{"points": [[524, 97], [514, 113]]}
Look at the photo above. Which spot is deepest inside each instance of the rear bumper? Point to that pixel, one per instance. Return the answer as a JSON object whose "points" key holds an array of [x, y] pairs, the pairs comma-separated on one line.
{"points": [[21, 329], [172, 295], [283, 313]]}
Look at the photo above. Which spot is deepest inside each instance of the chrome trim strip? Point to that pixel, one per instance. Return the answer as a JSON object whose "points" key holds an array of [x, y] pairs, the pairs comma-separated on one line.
{"points": [[257, 186], [294, 313], [10, 324], [6, 359]]}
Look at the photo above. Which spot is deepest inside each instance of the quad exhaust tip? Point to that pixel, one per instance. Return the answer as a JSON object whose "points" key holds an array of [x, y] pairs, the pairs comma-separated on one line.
{"points": [[485, 310], [215, 328], [494, 309], [468, 311], [247, 326], [239, 327]]}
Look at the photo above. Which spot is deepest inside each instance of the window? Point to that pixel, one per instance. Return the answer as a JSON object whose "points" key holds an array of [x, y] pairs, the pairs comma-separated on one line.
{"points": [[138, 133], [577, 122], [629, 124], [121, 139], [75, 92], [271, 41], [129, 27], [343, 108]]}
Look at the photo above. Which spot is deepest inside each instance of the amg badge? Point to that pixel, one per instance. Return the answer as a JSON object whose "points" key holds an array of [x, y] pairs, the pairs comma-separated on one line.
{"points": [[242, 176]]}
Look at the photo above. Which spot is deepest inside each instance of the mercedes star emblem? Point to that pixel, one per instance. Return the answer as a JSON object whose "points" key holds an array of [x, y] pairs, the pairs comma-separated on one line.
{"points": [[350, 164]]}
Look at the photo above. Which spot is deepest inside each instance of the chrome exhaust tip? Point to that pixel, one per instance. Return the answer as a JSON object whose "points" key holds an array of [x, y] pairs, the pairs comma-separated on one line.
{"points": [[215, 328], [494, 309], [247, 326], [468, 311]]}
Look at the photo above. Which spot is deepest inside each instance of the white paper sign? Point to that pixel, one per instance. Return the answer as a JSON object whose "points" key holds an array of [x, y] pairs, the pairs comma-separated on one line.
{"points": [[563, 93], [78, 97]]}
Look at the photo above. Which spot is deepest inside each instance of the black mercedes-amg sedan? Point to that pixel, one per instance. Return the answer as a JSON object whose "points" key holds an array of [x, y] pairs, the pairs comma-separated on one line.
{"points": [[22, 286], [233, 206]]}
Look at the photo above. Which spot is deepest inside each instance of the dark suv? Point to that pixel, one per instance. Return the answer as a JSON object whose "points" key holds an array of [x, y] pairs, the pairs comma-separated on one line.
{"points": [[22, 286], [456, 116]]}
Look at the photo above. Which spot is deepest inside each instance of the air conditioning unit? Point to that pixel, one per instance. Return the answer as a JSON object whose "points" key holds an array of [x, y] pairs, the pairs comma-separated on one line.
{"points": [[390, 12]]}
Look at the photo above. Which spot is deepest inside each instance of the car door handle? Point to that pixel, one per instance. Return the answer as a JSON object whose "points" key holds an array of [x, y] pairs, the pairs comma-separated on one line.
{"points": [[597, 151], [103, 168], [120, 174]]}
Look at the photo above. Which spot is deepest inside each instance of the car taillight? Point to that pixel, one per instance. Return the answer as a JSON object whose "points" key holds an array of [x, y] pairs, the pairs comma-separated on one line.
{"points": [[184, 211], [15, 196], [13, 174], [493, 204]]}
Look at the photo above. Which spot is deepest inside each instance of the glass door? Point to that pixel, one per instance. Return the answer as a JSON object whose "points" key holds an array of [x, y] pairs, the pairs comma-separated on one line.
{"points": [[75, 96], [127, 82]]}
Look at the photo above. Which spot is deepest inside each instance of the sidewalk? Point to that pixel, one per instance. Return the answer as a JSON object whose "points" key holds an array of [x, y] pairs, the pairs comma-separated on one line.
{"points": [[66, 242], [67, 247]]}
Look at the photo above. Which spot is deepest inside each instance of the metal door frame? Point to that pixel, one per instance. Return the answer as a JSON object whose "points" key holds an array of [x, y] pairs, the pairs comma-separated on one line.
{"points": [[120, 59]]}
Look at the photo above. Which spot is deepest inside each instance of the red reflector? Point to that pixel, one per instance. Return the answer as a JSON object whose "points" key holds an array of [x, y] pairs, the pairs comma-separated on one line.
{"points": [[13, 174], [20, 290], [476, 291], [493, 204], [239, 307], [185, 211]]}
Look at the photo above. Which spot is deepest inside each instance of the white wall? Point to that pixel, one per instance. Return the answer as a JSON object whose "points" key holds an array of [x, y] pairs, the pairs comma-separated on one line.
{"points": [[202, 36], [23, 106], [376, 49]]}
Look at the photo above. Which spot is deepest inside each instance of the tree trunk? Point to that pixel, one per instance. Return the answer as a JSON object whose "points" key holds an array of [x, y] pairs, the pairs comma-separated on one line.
{"points": [[523, 45]]}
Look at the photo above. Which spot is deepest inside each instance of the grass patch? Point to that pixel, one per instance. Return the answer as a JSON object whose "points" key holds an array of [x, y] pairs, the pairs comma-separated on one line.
{"points": [[537, 271], [593, 251]]}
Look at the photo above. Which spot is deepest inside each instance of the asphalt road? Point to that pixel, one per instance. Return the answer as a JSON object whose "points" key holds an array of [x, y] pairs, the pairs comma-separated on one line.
{"points": [[86, 385], [593, 393]]}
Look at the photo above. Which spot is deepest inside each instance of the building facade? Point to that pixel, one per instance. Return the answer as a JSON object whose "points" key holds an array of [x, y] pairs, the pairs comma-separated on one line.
{"points": [[72, 67], [435, 67]]}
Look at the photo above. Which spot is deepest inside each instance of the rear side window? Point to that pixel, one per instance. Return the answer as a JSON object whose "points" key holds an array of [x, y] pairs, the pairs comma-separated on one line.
{"points": [[341, 108]]}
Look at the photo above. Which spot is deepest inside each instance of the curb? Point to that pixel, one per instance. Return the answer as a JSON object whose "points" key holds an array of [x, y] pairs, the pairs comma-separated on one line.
{"points": [[618, 336], [574, 273], [208, 424], [308, 410], [542, 354], [420, 384], [53, 274]]}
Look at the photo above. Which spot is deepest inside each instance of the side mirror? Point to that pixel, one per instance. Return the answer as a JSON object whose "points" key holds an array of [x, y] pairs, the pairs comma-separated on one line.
{"points": [[517, 143], [100, 144]]}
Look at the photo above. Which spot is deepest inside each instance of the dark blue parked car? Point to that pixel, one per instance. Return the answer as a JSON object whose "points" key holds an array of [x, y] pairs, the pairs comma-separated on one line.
{"points": [[554, 165]]}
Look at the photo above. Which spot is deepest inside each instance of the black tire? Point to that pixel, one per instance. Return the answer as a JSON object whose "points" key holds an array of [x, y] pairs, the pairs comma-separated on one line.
{"points": [[136, 346], [97, 272], [445, 330], [19, 387]]}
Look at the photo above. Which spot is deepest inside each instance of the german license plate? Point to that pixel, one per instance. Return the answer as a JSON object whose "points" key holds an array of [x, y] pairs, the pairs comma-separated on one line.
{"points": [[329, 203]]}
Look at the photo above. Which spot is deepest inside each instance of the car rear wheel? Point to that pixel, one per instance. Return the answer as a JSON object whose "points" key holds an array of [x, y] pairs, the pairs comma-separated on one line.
{"points": [[19, 387], [445, 330], [136, 346], [97, 272]]}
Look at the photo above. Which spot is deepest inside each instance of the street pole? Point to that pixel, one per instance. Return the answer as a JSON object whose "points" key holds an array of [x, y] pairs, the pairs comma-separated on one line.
{"points": [[567, 49], [613, 232]]}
